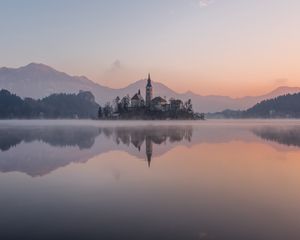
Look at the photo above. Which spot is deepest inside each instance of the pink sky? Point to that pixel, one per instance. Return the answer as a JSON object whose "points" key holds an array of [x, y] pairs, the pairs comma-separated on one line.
{"points": [[230, 47]]}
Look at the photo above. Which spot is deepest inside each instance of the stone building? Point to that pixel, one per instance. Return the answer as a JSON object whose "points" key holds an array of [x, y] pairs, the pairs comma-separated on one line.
{"points": [[159, 104], [137, 100]]}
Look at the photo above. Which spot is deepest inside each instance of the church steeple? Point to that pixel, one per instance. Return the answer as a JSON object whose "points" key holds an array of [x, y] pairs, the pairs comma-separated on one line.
{"points": [[149, 92], [149, 81]]}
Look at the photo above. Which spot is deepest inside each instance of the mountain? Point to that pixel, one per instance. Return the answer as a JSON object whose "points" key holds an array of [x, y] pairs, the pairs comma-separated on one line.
{"points": [[39, 80], [285, 106]]}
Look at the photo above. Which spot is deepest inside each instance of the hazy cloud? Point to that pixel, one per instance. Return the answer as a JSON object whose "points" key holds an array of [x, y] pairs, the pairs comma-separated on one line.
{"points": [[118, 74], [205, 3], [115, 66], [114, 71]]}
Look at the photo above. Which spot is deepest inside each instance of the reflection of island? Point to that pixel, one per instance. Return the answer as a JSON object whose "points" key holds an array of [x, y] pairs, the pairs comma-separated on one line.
{"points": [[40, 150], [285, 135], [152, 135]]}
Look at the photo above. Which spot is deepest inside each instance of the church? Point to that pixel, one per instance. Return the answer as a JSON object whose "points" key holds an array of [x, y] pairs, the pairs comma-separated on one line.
{"points": [[147, 107], [157, 103]]}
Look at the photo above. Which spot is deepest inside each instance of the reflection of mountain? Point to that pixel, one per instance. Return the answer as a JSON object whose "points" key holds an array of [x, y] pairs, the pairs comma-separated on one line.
{"points": [[54, 136], [39, 150], [288, 136]]}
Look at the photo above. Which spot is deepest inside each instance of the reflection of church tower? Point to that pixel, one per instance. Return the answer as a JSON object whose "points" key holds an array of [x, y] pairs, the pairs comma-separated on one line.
{"points": [[149, 149], [148, 91]]}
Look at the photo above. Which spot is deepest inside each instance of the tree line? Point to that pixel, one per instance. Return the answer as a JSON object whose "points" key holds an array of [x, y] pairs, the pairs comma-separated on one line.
{"points": [[81, 105], [285, 106]]}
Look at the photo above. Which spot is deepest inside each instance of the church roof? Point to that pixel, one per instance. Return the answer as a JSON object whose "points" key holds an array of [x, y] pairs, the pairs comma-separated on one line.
{"points": [[158, 100], [175, 101], [137, 96]]}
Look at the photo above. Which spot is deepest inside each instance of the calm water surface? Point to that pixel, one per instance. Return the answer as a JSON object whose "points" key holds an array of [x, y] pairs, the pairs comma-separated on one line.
{"points": [[150, 180]]}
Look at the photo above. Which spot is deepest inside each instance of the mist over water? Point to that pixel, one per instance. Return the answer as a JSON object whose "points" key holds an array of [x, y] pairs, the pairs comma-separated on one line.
{"points": [[150, 180]]}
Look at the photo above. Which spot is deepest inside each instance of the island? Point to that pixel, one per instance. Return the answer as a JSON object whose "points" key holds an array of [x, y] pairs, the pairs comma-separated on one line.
{"points": [[150, 108]]}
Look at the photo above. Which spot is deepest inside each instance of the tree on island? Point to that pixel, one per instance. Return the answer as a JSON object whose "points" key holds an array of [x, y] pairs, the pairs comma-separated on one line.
{"points": [[107, 110], [100, 112]]}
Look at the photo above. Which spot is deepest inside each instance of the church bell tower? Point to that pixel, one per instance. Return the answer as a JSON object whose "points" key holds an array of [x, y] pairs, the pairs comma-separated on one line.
{"points": [[149, 92]]}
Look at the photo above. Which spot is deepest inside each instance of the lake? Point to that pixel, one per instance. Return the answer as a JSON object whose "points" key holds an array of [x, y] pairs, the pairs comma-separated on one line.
{"points": [[150, 180]]}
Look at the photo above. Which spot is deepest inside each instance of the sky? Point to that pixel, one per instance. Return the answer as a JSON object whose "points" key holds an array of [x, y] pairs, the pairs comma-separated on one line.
{"points": [[225, 47]]}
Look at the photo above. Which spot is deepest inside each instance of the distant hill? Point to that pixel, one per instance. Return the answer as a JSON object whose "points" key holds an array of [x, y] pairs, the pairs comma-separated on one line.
{"points": [[39, 80], [286, 106], [81, 105]]}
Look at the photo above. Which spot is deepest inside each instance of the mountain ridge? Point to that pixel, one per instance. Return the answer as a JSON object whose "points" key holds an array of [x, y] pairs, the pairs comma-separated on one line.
{"points": [[37, 80]]}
